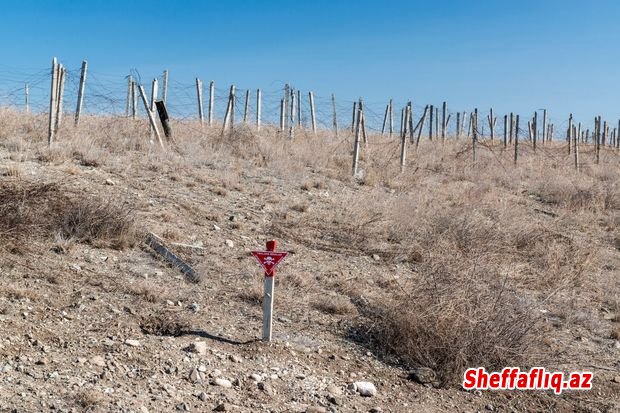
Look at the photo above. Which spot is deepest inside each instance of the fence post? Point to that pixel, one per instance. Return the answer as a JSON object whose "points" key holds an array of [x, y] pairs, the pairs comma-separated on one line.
{"points": [[491, 120], [362, 121], [211, 98], [335, 119], [229, 109], [154, 91], [80, 99], [420, 129], [150, 115], [201, 115], [258, 108], [403, 138], [597, 133], [287, 91], [534, 130], [164, 92], [61, 93], [385, 118], [281, 115], [356, 144], [299, 109], [53, 94], [458, 125], [505, 131], [232, 107], [474, 136], [312, 113], [444, 120], [512, 122], [544, 127], [568, 136], [246, 106], [129, 95], [402, 120], [134, 100], [516, 137], [293, 108], [430, 124], [576, 148]]}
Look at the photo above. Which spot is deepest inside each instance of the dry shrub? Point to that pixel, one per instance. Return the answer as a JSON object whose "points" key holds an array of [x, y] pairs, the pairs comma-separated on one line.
{"points": [[572, 195], [334, 304], [457, 317], [100, 223], [164, 324], [88, 400], [30, 209], [149, 291]]}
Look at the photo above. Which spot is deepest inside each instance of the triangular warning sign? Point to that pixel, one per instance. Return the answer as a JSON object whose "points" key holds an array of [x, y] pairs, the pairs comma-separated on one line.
{"points": [[269, 260]]}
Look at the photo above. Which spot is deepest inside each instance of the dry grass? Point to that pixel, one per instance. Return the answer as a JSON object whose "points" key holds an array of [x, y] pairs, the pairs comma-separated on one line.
{"points": [[162, 323]]}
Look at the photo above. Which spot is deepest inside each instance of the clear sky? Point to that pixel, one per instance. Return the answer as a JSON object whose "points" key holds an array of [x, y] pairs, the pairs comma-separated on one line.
{"points": [[516, 56]]}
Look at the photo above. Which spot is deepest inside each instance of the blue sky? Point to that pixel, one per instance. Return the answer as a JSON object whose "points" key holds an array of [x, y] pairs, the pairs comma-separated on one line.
{"points": [[513, 55]]}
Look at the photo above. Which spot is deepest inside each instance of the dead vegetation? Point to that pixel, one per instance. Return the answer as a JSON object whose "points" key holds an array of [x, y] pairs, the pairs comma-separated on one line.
{"points": [[162, 323]]}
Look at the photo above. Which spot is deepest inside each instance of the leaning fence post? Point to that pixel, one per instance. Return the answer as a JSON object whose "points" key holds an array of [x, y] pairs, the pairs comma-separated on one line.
{"points": [[80, 99], [246, 107], [403, 138], [356, 144], [420, 129], [385, 117], [150, 115], [53, 94], [312, 113], [201, 115], [154, 90]]}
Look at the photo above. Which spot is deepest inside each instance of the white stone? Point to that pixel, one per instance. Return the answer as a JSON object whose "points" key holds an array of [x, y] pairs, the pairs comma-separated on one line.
{"points": [[366, 388]]}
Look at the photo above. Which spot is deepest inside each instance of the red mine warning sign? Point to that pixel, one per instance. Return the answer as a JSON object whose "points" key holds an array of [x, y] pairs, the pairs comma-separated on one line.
{"points": [[269, 260]]}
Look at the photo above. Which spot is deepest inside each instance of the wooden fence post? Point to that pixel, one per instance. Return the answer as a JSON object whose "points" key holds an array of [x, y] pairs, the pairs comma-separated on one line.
{"points": [[246, 106], [287, 92], [233, 102], [335, 119], [474, 136], [516, 138], [150, 115], [444, 120], [491, 120], [211, 102], [312, 113], [505, 131], [597, 138], [80, 99], [201, 115], [385, 117], [164, 92], [61, 92], [53, 94], [430, 124], [154, 90], [576, 148], [27, 98], [281, 115], [353, 124], [229, 110], [356, 144], [129, 95], [362, 121], [568, 135], [293, 108], [512, 121], [258, 108], [544, 127], [163, 118], [421, 127], [458, 124], [534, 130], [134, 100], [436, 123], [403, 138], [402, 119]]}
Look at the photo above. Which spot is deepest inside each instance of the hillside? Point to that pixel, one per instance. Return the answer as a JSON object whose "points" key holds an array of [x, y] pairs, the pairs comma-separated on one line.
{"points": [[447, 265]]}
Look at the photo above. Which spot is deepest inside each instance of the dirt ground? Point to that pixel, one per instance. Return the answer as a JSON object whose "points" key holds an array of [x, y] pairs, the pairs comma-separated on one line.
{"points": [[86, 326]]}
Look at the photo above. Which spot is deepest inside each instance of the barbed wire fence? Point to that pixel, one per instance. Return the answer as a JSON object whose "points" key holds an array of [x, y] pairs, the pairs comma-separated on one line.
{"points": [[107, 94]]}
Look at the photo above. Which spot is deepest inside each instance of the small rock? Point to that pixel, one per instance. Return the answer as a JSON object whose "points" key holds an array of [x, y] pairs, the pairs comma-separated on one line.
{"points": [[198, 347], [109, 182], [266, 388], [375, 257], [75, 267], [215, 227], [616, 379], [195, 376], [143, 409], [229, 243], [375, 410], [183, 407], [234, 359], [97, 361], [132, 343], [224, 407], [316, 409], [423, 375], [202, 396], [366, 388], [489, 407], [194, 307], [334, 400], [256, 377], [222, 383], [334, 390]]}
